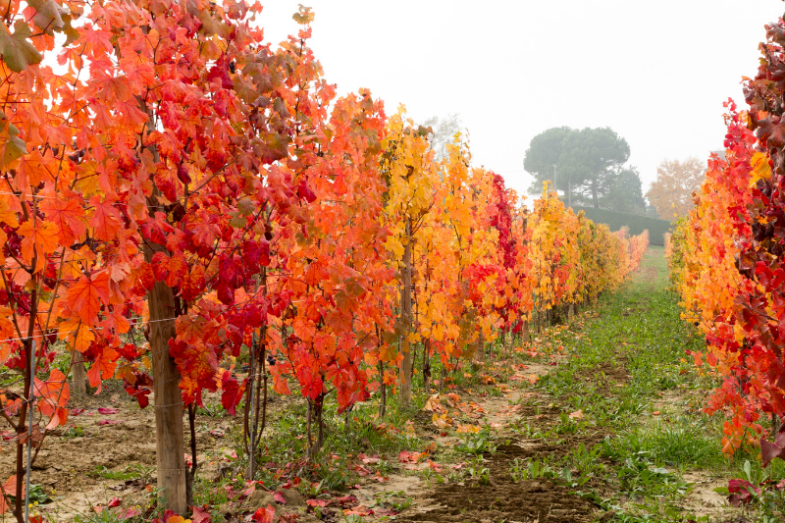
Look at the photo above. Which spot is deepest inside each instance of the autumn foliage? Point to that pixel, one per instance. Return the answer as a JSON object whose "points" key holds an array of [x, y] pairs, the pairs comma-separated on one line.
{"points": [[727, 260], [671, 193], [183, 178]]}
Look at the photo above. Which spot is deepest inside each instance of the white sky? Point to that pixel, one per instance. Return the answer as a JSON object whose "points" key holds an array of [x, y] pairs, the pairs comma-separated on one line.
{"points": [[655, 72]]}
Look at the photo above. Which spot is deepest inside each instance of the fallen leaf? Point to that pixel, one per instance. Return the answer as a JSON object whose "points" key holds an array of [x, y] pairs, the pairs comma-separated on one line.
{"points": [[106, 411], [408, 457], [110, 422], [468, 429], [578, 414], [264, 515], [359, 510]]}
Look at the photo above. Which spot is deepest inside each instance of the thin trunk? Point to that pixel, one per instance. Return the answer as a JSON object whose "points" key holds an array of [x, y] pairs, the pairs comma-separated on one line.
{"points": [[382, 390], [405, 391], [594, 197], [26, 414], [426, 365], [479, 348], [308, 442], [247, 422], [318, 410], [191, 474]]}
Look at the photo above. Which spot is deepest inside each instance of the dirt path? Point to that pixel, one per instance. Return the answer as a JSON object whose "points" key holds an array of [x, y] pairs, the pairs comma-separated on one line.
{"points": [[505, 486]]}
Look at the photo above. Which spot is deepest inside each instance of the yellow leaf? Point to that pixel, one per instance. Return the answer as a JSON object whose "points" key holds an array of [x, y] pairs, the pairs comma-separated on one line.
{"points": [[761, 170]]}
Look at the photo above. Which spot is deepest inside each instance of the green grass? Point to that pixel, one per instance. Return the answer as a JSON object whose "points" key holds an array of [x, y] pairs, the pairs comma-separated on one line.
{"points": [[625, 361]]}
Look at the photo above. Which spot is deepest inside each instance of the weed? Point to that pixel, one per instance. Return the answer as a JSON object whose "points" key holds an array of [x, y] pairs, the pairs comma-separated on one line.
{"points": [[73, 432], [520, 470], [476, 442], [131, 472]]}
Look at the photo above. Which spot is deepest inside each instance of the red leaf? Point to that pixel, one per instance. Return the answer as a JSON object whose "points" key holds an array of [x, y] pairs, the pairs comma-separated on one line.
{"points": [[264, 515], [115, 502], [170, 270], [143, 276], [166, 180], [769, 451], [232, 393], [106, 411], [231, 272], [200, 515], [157, 228], [277, 496], [103, 367], [193, 284]]}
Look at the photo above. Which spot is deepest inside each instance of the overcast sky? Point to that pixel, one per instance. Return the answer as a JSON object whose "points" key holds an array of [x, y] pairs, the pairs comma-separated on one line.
{"points": [[655, 72]]}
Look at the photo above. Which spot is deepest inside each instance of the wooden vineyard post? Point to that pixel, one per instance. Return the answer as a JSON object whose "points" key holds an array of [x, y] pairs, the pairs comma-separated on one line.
{"points": [[79, 374], [170, 444]]}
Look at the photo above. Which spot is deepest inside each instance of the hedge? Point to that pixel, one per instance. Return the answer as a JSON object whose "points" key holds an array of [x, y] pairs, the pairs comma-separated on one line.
{"points": [[637, 224]]}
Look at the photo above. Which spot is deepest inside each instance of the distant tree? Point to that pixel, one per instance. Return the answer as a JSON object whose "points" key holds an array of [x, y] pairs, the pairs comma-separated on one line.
{"points": [[584, 161], [543, 153], [671, 192], [624, 191], [443, 131]]}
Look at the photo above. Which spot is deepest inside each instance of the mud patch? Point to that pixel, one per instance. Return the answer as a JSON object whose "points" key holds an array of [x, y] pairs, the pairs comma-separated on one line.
{"points": [[614, 376], [503, 499]]}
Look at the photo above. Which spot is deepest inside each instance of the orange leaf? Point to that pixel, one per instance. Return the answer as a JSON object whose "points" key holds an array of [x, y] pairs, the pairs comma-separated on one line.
{"points": [[68, 217], [84, 297], [52, 393], [39, 238], [9, 489], [80, 334], [106, 219]]}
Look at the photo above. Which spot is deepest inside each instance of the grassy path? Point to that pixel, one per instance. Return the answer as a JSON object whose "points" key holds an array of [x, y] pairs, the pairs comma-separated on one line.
{"points": [[613, 431]]}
